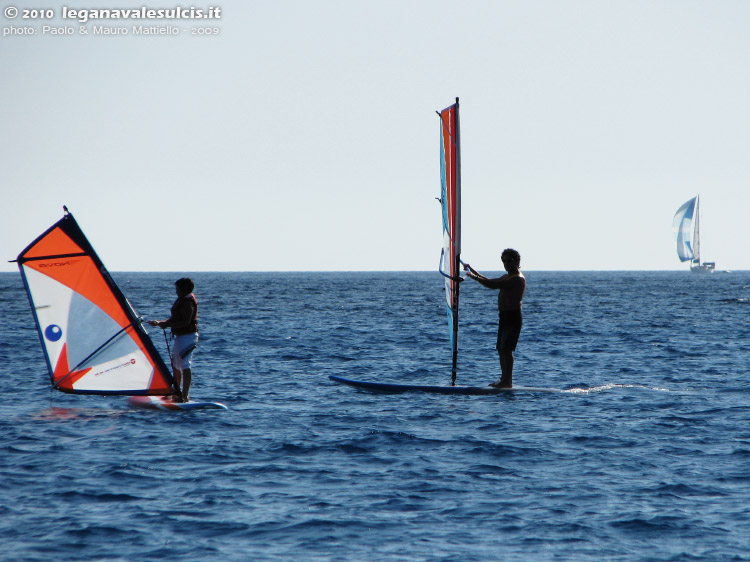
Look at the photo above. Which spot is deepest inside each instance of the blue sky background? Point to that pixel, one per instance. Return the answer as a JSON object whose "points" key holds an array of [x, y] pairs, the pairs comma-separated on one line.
{"points": [[304, 136]]}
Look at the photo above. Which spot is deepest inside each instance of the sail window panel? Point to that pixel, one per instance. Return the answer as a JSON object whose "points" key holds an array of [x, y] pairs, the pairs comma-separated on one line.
{"points": [[97, 329]]}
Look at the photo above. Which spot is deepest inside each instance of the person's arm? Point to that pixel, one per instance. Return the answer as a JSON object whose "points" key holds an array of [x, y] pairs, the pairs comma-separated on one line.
{"points": [[482, 279], [163, 324]]}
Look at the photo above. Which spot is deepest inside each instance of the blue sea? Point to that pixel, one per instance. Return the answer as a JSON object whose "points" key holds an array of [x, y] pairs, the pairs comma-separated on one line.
{"points": [[645, 457]]}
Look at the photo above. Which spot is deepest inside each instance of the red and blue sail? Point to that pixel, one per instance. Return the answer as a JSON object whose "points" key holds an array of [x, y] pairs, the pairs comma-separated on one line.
{"points": [[93, 341], [450, 199]]}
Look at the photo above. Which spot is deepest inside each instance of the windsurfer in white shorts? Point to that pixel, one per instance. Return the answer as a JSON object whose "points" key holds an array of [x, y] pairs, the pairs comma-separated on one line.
{"points": [[183, 322]]}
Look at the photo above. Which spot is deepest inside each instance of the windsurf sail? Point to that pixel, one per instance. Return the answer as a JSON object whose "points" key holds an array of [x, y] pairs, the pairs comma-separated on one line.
{"points": [[93, 340], [450, 199], [682, 226]]}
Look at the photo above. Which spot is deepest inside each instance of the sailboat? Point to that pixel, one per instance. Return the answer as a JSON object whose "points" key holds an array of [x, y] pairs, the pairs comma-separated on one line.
{"points": [[686, 226], [93, 340], [449, 267]]}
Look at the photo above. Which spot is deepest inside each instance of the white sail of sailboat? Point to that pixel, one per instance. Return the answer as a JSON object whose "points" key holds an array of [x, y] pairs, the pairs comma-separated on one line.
{"points": [[686, 226]]}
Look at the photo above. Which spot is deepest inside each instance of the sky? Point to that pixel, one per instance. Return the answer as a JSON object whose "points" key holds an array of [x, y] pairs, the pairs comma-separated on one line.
{"points": [[302, 136]]}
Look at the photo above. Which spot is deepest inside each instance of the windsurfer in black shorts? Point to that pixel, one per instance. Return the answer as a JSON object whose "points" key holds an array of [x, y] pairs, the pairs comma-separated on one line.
{"points": [[512, 286]]}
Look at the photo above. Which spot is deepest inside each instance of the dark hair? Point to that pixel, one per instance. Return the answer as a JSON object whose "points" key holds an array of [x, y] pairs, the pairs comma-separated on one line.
{"points": [[185, 284], [510, 254]]}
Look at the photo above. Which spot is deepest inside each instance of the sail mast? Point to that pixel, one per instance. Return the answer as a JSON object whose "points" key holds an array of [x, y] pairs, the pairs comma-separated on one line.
{"points": [[697, 234], [457, 240]]}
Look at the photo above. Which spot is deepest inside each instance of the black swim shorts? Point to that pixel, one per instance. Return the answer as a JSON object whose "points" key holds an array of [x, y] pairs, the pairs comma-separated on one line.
{"points": [[509, 330]]}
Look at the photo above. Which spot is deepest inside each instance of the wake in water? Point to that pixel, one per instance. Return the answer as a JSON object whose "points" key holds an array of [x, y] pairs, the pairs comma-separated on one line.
{"points": [[612, 386]]}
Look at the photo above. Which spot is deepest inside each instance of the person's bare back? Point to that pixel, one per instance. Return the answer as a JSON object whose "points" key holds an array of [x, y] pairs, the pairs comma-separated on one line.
{"points": [[512, 288]]}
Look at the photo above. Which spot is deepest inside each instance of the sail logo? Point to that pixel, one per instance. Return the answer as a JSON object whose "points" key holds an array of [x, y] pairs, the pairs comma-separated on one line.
{"points": [[126, 364], [58, 263], [53, 332]]}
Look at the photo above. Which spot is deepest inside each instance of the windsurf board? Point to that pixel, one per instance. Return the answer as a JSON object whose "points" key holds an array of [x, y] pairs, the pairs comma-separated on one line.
{"points": [[165, 403], [460, 390]]}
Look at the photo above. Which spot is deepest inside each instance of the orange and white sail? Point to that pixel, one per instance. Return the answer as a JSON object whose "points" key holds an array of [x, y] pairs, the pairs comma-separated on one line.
{"points": [[93, 340]]}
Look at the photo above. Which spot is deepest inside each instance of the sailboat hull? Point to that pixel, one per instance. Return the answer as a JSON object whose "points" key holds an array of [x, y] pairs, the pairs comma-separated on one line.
{"points": [[457, 390], [705, 268]]}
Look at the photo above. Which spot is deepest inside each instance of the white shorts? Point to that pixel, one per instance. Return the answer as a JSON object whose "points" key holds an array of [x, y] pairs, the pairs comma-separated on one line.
{"points": [[182, 351]]}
